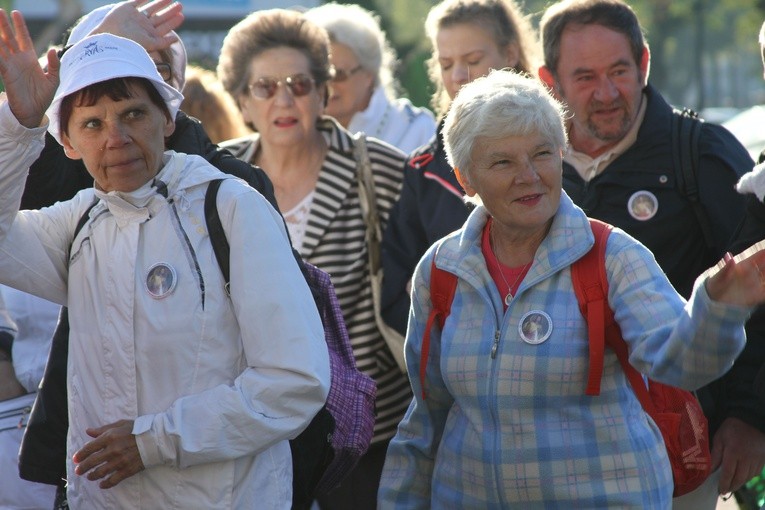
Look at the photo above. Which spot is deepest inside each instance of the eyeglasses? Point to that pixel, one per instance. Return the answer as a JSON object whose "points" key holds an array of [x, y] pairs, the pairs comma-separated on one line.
{"points": [[165, 71], [265, 88], [341, 74]]}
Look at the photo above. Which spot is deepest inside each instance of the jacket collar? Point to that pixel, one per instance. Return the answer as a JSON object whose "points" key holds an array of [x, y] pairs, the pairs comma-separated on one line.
{"points": [[569, 238]]}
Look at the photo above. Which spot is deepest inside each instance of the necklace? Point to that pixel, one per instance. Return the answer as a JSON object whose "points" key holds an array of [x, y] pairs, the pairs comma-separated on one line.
{"points": [[524, 269]]}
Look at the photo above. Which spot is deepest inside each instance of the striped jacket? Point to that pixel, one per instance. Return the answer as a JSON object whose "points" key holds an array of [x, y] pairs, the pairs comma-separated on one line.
{"points": [[334, 241], [516, 430]]}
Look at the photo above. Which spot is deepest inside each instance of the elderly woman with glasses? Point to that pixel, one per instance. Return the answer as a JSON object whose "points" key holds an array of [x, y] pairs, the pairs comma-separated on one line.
{"points": [[503, 420], [363, 90], [275, 64], [183, 391]]}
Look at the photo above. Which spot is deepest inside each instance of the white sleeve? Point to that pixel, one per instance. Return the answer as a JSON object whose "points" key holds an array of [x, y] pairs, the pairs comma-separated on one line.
{"points": [[287, 378]]}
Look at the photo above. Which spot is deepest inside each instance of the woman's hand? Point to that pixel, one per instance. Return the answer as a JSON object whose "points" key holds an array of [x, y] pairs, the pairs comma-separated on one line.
{"points": [[113, 455], [739, 280], [29, 88], [148, 24]]}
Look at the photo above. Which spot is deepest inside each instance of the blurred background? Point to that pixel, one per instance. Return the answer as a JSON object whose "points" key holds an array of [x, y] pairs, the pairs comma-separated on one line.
{"points": [[704, 55]]}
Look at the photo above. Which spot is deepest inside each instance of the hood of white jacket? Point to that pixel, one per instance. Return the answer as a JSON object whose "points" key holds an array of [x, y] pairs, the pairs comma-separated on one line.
{"points": [[145, 202]]}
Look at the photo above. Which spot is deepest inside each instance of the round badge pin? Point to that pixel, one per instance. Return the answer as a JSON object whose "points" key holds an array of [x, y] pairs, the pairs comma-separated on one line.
{"points": [[160, 280], [535, 327], [643, 205]]}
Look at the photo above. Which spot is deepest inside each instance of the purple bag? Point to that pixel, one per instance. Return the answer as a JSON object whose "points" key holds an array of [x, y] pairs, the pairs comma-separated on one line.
{"points": [[351, 400]]}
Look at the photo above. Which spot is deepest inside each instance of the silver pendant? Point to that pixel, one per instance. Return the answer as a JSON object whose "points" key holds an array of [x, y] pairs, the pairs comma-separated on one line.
{"points": [[508, 298]]}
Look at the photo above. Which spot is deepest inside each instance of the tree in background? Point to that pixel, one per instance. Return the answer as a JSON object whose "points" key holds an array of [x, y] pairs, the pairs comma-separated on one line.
{"points": [[703, 52]]}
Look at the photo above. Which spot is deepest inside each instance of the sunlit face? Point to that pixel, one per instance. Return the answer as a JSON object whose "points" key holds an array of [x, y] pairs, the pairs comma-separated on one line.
{"points": [[602, 85], [519, 181], [352, 95], [122, 142], [283, 119], [465, 52]]}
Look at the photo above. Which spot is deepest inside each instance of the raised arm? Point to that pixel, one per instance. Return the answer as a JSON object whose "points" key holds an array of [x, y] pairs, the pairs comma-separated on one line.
{"points": [[29, 88]]}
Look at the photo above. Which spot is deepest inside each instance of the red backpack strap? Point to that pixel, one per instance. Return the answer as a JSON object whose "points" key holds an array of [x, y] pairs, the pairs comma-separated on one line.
{"points": [[591, 287], [443, 285]]}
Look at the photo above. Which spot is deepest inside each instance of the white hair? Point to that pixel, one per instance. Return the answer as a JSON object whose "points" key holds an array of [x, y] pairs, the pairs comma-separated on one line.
{"points": [[359, 30], [503, 103]]}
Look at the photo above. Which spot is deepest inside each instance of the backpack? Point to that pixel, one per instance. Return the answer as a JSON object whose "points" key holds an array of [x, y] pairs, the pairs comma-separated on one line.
{"points": [[676, 412], [321, 456]]}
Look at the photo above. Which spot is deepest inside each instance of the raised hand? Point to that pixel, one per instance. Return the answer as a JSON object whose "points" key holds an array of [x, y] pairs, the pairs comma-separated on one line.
{"points": [[739, 280], [148, 24], [30, 89]]}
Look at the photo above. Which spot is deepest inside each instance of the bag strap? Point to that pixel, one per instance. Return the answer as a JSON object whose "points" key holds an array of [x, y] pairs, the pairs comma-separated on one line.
{"points": [[590, 282], [686, 133], [218, 239], [443, 286], [81, 224], [368, 201]]}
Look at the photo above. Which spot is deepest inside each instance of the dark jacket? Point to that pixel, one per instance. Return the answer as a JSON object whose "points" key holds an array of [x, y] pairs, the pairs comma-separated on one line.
{"points": [[430, 207], [54, 177], [674, 233]]}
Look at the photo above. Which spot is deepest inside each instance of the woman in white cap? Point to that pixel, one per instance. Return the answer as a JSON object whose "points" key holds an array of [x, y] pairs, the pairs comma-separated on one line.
{"points": [[53, 177], [180, 396]]}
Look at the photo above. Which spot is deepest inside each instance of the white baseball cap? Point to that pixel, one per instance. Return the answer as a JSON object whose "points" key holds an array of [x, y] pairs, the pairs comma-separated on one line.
{"points": [[102, 57], [91, 20]]}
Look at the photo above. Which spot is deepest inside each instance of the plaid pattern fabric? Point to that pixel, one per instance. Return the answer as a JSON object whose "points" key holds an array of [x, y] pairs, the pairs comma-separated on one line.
{"points": [[351, 399], [518, 430]]}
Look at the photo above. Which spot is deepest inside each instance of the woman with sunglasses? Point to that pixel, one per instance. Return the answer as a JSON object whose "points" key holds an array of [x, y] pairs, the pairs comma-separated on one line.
{"points": [[275, 64], [469, 38], [363, 91]]}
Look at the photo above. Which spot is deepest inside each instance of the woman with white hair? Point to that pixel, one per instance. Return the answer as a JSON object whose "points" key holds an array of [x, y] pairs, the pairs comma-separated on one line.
{"points": [[181, 395], [363, 90], [505, 421]]}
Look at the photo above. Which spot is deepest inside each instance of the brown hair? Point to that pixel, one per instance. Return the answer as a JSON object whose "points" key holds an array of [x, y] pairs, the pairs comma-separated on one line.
{"points": [[265, 30], [612, 14], [205, 99], [115, 89]]}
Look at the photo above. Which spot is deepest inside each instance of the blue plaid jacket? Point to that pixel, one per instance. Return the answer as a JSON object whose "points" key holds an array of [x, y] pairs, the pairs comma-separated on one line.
{"points": [[517, 430]]}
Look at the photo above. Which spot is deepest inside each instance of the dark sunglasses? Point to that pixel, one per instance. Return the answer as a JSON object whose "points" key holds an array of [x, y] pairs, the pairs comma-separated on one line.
{"points": [[342, 75], [265, 88], [165, 71]]}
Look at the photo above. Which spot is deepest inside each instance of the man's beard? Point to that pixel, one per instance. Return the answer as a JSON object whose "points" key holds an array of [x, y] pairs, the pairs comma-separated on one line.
{"points": [[609, 133]]}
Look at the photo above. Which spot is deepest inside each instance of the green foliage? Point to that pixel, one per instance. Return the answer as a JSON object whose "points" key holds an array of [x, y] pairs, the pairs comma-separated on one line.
{"points": [[727, 69]]}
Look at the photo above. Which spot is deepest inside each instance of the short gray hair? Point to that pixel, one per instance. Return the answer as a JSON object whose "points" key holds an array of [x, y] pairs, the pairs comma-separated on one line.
{"points": [[359, 29], [504, 103]]}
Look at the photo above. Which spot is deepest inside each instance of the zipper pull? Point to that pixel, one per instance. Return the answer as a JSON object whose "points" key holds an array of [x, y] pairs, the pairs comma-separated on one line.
{"points": [[496, 345]]}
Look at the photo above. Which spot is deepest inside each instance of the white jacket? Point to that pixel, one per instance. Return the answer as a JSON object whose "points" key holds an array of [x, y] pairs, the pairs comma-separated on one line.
{"points": [[397, 122], [216, 385]]}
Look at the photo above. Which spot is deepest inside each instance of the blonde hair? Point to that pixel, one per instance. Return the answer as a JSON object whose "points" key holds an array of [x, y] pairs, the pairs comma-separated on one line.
{"points": [[502, 19], [205, 99]]}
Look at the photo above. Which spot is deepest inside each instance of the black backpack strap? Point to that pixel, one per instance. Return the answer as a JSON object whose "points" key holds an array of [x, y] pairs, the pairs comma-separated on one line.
{"points": [[81, 223], [217, 234], [686, 132]]}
